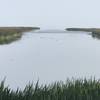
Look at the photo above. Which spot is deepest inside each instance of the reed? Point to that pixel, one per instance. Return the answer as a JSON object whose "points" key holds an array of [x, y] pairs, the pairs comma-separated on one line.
{"points": [[80, 89]]}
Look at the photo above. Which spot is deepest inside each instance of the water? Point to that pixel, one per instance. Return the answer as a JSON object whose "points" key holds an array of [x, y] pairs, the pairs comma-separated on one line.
{"points": [[49, 57]]}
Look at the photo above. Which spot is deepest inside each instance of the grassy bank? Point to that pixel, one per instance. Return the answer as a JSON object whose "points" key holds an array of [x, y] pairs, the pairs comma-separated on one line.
{"points": [[96, 30], [8, 30], [11, 34], [9, 38], [71, 90]]}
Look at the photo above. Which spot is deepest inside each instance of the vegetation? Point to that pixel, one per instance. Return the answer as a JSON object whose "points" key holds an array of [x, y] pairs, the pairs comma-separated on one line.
{"points": [[9, 38], [71, 90], [4, 30], [10, 34], [96, 30]]}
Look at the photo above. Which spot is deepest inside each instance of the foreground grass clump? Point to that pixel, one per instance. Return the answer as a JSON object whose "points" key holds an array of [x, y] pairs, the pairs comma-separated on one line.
{"points": [[71, 90]]}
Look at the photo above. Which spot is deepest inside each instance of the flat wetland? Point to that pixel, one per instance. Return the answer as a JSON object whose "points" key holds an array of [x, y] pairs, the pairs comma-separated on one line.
{"points": [[17, 29], [96, 30], [10, 34], [49, 56]]}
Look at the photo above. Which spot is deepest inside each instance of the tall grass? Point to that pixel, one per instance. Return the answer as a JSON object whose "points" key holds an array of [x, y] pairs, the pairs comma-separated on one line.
{"points": [[81, 89]]}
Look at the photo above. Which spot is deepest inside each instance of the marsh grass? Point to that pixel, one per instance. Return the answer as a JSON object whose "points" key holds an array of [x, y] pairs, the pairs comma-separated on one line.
{"points": [[96, 30], [9, 38], [4, 30], [81, 89], [11, 34]]}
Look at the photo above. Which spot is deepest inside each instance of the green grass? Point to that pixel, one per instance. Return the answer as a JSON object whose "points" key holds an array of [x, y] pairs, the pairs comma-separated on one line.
{"points": [[71, 90], [9, 38], [11, 34]]}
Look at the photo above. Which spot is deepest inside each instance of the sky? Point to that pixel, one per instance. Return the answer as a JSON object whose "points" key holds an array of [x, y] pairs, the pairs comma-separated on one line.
{"points": [[50, 13]]}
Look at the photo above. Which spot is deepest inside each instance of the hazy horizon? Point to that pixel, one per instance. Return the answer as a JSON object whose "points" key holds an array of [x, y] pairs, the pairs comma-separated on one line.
{"points": [[50, 13]]}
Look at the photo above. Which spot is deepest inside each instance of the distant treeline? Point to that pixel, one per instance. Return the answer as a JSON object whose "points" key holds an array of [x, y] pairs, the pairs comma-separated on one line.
{"points": [[80, 89]]}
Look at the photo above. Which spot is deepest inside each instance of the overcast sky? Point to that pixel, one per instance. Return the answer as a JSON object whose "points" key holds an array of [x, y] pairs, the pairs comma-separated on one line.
{"points": [[50, 13]]}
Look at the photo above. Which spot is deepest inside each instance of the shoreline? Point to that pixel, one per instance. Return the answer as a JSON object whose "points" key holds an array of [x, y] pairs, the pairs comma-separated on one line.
{"points": [[18, 29], [95, 30], [11, 34]]}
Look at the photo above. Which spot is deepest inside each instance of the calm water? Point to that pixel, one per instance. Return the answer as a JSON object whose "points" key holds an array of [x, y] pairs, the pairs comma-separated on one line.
{"points": [[49, 57]]}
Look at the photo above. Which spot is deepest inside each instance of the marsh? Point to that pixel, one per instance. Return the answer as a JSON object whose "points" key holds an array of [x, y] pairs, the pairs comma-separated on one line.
{"points": [[10, 34], [49, 56]]}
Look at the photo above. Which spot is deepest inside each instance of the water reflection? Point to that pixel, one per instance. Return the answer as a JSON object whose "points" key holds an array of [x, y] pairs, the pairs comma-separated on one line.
{"points": [[94, 34]]}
